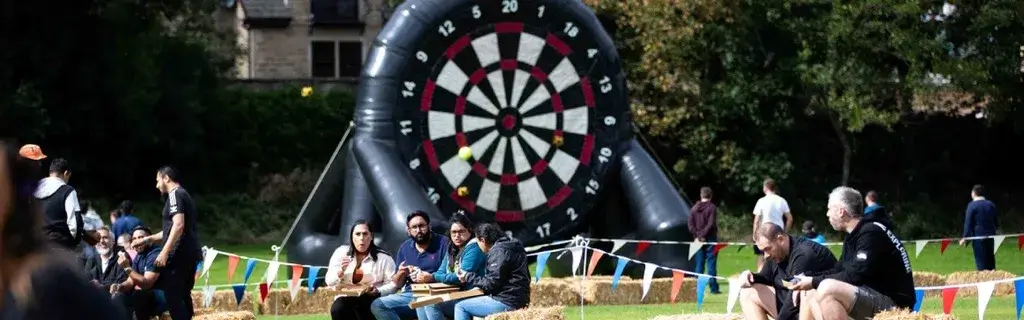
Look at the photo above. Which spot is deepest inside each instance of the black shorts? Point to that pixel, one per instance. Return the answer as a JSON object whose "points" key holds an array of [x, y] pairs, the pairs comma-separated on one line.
{"points": [[868, 302]]}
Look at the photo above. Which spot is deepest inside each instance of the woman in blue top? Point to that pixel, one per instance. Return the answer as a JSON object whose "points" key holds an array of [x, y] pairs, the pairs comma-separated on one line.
{"points": [[463, 253]]}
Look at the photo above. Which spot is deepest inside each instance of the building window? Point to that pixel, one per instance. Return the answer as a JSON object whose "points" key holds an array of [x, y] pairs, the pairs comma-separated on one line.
{"points": [[334, 59]]}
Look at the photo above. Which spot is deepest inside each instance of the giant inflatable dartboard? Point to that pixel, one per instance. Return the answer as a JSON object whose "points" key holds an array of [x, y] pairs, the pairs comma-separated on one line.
{"points": [[534, 89]]}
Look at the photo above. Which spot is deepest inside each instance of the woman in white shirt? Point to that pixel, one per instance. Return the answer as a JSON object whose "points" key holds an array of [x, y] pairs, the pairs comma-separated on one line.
{"points": [[360, 263]]}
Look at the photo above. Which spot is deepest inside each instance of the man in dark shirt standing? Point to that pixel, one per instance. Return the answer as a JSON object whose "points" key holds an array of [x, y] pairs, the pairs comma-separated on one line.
{"points": [[181, 251], [423, 252], [981, 220], [703, 225], [765, 293], [873, 273]]}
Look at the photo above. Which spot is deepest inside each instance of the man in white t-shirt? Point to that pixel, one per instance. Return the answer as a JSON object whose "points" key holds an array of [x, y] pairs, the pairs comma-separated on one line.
{"points": [[770, 208]]}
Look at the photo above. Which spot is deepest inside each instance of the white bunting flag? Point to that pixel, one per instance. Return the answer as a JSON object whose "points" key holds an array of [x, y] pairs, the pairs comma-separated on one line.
{"points": [[208, 296], [694, 247], [920, 247], [984, 294], [616, 245], [294, 287], [272, 272], [648, 277], [577, 255], [734, 294], [208, 260], [997, 240]]}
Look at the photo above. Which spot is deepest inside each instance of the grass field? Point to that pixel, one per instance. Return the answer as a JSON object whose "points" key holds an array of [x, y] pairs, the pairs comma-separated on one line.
{"points": [[730, 262]]}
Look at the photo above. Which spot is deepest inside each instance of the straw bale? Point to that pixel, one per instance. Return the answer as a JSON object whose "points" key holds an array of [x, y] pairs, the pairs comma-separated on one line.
{"points": [[966, 277], [929, 279], [546, 313], [700, 316], [223, 300], [553, 292], [600, 292], [230, 315], [904, 314]]}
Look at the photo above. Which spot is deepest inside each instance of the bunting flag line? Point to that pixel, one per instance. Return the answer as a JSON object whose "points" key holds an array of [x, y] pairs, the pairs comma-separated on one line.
{"points": [[677, 283], [920, 299], [271, 274], [943, 245], [619, 267], [948, 297], [594, 257], [313, 275], [542, 261], [702, 284], [641, 247], [239, 293], [618, 243], [1018, 288], [577, 255], [250, 265], [694, 248], [293, 285], [232, 265]]}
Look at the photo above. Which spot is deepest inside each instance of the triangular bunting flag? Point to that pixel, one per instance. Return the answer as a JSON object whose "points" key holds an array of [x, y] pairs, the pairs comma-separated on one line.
{"points": [[311, 278], [616, 245], [695, 246], [1018, 287], [232, 265], [619, 267], [594, 258], [264, 290], [920, 300], [702, 285], [577, 256], [719, 247], [272, 271], [1020, 242], [208, 296], [996, 241], [648, 277], [199, 266], [542, 261], [208, 259], [948, 297], [919, 245], [250, 265], [239, 293], [739, 247], [641, 247], [944, 244], [677, 282], [735, 285], [984, 294], [296, 277]]}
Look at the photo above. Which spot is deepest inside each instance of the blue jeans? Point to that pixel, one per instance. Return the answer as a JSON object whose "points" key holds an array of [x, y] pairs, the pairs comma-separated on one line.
{"points": [[393, 307], [440, 311], [481, 306], [707, 254]]}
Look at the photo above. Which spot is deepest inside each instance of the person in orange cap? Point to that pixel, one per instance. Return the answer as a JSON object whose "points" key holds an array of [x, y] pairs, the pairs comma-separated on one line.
{"points": [[32, 151]]}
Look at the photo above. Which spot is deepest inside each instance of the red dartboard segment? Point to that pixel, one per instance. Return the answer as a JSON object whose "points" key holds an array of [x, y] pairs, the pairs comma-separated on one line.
{"points": [[508, 27]]}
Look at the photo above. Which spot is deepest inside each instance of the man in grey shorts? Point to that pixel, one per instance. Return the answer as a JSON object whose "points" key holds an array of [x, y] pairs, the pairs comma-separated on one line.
{"points": [[873, 273]]}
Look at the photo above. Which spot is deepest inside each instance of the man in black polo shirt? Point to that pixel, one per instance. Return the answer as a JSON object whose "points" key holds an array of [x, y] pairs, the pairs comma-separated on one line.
{"points": [[181, 251], [765, 293]]}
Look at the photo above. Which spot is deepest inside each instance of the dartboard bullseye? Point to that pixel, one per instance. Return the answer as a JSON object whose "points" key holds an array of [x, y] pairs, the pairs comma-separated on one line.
{"points": [[511, 111]]}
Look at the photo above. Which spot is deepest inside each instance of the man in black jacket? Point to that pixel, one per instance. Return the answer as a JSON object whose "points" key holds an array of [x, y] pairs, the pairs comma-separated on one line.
{"points": [[874, 273], [506, 281], [764, 293], [102, 268]]}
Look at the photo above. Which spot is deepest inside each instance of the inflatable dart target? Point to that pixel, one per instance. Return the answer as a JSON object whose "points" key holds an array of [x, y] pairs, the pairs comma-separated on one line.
{"points": [[513, 111]]}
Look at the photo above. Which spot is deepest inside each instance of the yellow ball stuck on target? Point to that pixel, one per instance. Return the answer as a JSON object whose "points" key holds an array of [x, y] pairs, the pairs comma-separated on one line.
{"points": [[463, 191], [465, 153]]}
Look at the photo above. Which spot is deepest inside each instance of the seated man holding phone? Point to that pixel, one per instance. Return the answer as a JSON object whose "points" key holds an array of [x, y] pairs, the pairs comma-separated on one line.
{"points": [[767, 293]]}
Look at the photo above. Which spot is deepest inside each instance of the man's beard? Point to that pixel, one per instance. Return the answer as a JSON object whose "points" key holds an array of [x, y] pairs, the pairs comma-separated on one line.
{"points": [[103, 251], [422, 238]]}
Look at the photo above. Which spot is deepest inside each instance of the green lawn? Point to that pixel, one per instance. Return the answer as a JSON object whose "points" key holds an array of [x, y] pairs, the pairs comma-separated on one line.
{"points": [[730, 262]]}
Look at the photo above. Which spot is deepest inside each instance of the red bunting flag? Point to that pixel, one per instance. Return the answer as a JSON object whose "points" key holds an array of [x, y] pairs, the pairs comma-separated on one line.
{"points": [[296, 275], [264, 290], [1020, 243], [232, 264], [948, 296], [719, 247], [677, 282], [641, 247], [945, 243], [594, 257]]}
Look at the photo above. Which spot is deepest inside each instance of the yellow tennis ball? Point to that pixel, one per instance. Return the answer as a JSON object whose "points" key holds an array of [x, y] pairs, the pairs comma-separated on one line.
{"points": [[465, 153], [463, 191], [307, 91]]}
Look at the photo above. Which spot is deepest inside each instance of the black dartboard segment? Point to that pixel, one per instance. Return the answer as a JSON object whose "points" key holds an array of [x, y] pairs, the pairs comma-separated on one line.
{"points": [[526, 86]]}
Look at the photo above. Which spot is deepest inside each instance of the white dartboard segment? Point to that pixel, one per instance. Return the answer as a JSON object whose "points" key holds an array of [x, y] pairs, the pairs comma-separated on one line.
{"points": [[564, 165], [518, 85], [538, 145], [441, 124], [471, 123], [455, 170], [486, 48], [519, 157], [479, 147], [497, 80], [575, 120], [539, 96], [478, 99], [544, 120], [531, 195], [564, 75], [452, 78], [498, 159], [489, 193], [530, 47]]}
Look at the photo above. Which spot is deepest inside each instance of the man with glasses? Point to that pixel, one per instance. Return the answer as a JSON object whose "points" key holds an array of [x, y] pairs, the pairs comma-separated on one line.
{"points": [[423, 252]]}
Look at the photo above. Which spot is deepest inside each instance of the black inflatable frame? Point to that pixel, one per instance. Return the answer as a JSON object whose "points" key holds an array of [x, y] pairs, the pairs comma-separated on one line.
{"points": [[367, 177]]}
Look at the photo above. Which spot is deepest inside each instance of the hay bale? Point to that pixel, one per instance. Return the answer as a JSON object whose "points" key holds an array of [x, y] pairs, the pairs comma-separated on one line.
{"points": [[554, 292], [600, 292], [223, 300], [929, 279], [532, 313], [279, 301], [230, 315], [905, 314], [700, 316], [966, 277]]}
